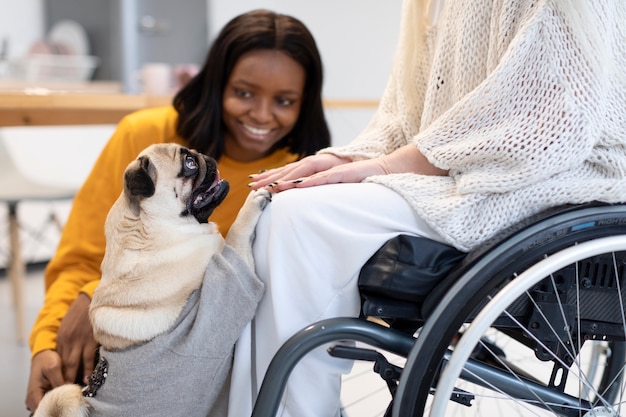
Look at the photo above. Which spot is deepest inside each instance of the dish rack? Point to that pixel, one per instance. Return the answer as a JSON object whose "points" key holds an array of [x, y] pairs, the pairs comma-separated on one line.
{"points": [[49, 67]]}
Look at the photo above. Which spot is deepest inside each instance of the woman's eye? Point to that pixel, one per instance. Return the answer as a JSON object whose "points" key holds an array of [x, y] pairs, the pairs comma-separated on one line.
{"points": [[284, 102], [190, 163], [242, 93]]}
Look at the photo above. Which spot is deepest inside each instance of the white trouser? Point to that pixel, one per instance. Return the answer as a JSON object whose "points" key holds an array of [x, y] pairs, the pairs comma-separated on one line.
{"points": [[310, 245]]}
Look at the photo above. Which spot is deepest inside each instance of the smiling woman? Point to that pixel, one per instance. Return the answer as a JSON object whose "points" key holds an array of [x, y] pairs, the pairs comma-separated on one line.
{"points": [[255, 104]]}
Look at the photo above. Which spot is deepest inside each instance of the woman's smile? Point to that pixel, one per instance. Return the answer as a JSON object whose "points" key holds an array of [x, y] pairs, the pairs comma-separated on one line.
{"points": [[257, 132]]}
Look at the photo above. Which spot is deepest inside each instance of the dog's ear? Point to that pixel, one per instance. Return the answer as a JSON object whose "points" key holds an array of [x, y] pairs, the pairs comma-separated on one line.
{"points": [[138, 182]]}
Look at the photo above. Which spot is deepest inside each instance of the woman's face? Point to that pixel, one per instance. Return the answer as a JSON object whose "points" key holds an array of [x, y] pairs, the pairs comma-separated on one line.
{"points": [[261, 102]]}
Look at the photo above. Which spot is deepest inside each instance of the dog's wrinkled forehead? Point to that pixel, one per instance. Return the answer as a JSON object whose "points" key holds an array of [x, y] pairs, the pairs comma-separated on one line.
{"points": [[168, 159], [171, 160]]}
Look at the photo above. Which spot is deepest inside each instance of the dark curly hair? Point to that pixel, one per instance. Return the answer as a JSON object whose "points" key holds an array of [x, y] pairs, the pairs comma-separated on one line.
{"points": [[199, 102]]}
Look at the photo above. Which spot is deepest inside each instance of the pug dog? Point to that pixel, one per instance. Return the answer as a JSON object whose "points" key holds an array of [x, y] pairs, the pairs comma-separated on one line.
{"points": [[173, 298]]}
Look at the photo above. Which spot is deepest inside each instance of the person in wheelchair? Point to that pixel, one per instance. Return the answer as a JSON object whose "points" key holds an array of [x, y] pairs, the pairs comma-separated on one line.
{"points": [[495, 110]]}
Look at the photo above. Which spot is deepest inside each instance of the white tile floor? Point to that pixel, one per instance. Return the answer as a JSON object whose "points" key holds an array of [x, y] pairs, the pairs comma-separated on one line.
{"points": [[364, 393]]}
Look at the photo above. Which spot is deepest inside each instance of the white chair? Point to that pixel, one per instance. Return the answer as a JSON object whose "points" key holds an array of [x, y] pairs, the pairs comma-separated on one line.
{"points": [[41, 164]]}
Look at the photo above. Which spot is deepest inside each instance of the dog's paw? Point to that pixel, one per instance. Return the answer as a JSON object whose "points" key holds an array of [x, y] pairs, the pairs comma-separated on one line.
{"points": [[262, 197], [242, 232], [251, 210]]}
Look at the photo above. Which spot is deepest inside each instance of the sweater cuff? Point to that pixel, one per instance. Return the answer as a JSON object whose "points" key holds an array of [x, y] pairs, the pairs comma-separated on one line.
{"points": [[90, 287], [46, 340]]}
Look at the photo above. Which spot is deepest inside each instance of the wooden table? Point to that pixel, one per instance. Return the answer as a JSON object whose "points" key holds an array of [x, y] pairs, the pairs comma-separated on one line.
{"points": [[27, 109], [95, 103]]}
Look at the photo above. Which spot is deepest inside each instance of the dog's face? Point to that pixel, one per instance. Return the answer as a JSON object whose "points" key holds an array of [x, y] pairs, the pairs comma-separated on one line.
{"points": [[167, 177]]}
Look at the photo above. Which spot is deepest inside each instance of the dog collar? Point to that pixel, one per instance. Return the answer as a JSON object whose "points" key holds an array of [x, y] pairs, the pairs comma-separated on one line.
{"points": [[97, 378]]}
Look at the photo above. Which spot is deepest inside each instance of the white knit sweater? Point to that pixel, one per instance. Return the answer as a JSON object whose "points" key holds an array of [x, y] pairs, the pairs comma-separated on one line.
{"points": [[501, 94]]}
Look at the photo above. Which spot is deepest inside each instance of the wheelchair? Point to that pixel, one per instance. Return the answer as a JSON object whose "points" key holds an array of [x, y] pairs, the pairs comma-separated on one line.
{"points": [[533, 323]]}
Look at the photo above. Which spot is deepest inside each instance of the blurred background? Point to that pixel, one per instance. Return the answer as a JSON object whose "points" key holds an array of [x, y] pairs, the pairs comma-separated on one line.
{"points": [[356, 37]]}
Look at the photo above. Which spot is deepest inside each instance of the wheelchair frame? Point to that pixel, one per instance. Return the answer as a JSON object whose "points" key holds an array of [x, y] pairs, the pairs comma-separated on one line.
{"points": [[497, 278]]}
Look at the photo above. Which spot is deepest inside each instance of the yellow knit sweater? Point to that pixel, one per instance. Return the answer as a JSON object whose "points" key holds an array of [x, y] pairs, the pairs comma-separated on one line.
{"points": [[75, 267]]}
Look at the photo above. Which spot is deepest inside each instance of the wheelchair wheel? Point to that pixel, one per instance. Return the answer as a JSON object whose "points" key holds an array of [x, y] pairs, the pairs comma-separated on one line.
{"points": [[533, 340]]}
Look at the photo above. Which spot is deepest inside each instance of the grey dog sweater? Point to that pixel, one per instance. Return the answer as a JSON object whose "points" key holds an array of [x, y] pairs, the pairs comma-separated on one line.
{"points": [[192, 360]]}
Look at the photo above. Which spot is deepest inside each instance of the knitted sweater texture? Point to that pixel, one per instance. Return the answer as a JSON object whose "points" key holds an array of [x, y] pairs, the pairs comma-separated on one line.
{"points": [[507, 98]]}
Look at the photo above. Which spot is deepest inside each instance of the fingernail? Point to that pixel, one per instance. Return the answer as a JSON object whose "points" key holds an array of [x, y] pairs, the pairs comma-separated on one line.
{"points": [[262, 171], [252, 175], [274, 184], [250, 184], [296, 181]]}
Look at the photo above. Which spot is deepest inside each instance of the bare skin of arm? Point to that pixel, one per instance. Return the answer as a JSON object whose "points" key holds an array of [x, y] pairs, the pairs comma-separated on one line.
{"points": [[330, 169]]}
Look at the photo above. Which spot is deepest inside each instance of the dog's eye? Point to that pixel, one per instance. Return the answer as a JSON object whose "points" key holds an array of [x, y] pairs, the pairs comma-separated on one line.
{"points": [[190, 163]]}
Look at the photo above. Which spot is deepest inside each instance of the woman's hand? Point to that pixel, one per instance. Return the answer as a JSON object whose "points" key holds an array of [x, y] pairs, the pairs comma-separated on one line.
{"points": [[331, 169], [75, 341], [345, 173], [76, 350], [45, 373], [296, 170]]}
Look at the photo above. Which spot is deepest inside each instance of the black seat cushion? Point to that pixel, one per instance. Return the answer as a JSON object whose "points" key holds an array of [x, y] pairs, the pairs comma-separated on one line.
{"points": [[397, 278]]}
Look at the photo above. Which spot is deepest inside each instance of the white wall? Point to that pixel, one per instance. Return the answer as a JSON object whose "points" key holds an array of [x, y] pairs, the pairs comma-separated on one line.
{"points": [[21, 23], [356, 38]]}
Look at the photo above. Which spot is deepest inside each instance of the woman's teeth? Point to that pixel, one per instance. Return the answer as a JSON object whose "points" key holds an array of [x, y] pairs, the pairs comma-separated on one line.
{"points": [[256, 131]]}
